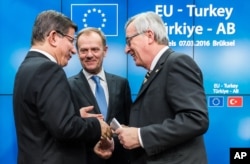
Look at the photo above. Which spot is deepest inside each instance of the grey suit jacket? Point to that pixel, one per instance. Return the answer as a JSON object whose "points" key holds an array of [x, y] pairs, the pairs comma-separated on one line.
{"points": [[119, 107], [48, 128], [172, 112]]}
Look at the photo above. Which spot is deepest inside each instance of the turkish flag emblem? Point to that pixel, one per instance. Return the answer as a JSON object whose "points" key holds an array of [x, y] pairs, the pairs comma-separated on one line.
{"points": [[235, 101]]}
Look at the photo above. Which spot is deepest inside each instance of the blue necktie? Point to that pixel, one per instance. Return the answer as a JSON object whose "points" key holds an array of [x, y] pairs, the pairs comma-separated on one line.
{"points": [[100, 96]]}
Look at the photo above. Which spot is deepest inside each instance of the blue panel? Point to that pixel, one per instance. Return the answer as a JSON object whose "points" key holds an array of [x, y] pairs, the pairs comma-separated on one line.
{"points": [[225, 63], [229, 127], [17, 19], [8, 144]]}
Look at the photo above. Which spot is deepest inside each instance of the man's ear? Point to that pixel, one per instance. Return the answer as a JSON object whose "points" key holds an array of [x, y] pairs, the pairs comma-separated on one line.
{"points": [[105, 50], [150, 35], [52, 38]]}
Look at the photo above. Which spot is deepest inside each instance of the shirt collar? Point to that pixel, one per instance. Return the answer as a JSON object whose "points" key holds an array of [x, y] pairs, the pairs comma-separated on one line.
{"points": [[88, 75], [45, 54], [157, 57]]}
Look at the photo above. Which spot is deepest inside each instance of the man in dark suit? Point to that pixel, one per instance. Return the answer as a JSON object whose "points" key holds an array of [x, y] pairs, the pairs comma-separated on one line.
{"points": [[49, 129], [169, 116], [92, 48]]}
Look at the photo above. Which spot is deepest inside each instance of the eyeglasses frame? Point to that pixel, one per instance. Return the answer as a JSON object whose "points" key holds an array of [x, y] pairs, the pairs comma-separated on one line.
{"points": [[71, 39], [129, 38]]}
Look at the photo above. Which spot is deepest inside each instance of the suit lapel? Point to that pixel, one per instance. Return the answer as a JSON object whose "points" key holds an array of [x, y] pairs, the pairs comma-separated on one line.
{"points": [[112, 87], [83, 86], [155, 72]]}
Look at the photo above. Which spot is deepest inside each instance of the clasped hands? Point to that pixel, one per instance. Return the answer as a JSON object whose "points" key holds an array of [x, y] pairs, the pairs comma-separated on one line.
{"points": [[105, 128], [105, 146], [128, 136]]}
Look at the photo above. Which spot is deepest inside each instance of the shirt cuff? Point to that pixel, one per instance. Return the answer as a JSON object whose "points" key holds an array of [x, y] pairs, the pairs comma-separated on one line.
{"points": [[139, 136]]}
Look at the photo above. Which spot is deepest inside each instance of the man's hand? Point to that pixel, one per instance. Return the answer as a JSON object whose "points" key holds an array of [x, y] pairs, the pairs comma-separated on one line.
{"points": [[84, 112], [105, 130], [104, 148], [128, 137]]}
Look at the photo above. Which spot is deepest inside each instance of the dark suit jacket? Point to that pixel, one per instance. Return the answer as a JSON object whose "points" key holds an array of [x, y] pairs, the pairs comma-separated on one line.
{"points": [[49, 131], [119, 107], [172, 113]]}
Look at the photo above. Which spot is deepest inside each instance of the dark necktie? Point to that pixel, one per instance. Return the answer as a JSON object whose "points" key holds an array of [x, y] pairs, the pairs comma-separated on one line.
{"points": [[146, 77], [100, 96]]}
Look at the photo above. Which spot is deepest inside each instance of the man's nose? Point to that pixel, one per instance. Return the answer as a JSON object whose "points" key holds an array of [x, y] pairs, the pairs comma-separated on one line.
{"points": [[127, 49]]}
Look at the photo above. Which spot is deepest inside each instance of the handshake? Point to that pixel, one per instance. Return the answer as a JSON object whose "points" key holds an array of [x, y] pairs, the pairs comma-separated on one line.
{"points": [[114, 124], [105, 146], [106, 132]]}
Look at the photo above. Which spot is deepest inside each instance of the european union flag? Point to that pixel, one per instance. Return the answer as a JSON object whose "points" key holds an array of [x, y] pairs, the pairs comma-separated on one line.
{"points": [[101, 16], [215, 101]]}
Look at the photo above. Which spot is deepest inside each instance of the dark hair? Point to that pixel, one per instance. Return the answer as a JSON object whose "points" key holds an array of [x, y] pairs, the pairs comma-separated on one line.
{"points": [[50, 20]]}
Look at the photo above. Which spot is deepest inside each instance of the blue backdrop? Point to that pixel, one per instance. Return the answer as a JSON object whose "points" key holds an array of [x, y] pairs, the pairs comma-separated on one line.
{"points": [[215, 33]]}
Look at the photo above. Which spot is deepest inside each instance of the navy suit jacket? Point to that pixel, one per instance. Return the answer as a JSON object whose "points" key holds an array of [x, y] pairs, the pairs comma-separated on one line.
{"points": [[48, 128], [118, 107], [172, 112]]}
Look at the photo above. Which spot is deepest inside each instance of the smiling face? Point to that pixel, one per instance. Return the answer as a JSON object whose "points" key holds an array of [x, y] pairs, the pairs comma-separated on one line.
{"points": [[91, 52], [136, 45]]}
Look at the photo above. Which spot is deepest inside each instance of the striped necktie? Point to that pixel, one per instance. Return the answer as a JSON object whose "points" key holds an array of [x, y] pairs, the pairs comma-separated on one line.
{"points": [[100, 96], [146, 77]]}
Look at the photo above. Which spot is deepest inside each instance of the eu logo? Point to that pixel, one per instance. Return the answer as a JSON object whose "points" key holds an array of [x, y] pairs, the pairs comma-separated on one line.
{"points": [[215, 101], [101, 16]]}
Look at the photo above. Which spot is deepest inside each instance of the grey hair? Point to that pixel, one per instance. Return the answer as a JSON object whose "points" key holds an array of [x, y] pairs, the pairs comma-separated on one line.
{"points": [[150, 21]]}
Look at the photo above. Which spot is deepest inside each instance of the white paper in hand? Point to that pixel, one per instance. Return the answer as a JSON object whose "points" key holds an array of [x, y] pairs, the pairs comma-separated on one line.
{"points": [[114, 124]]}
